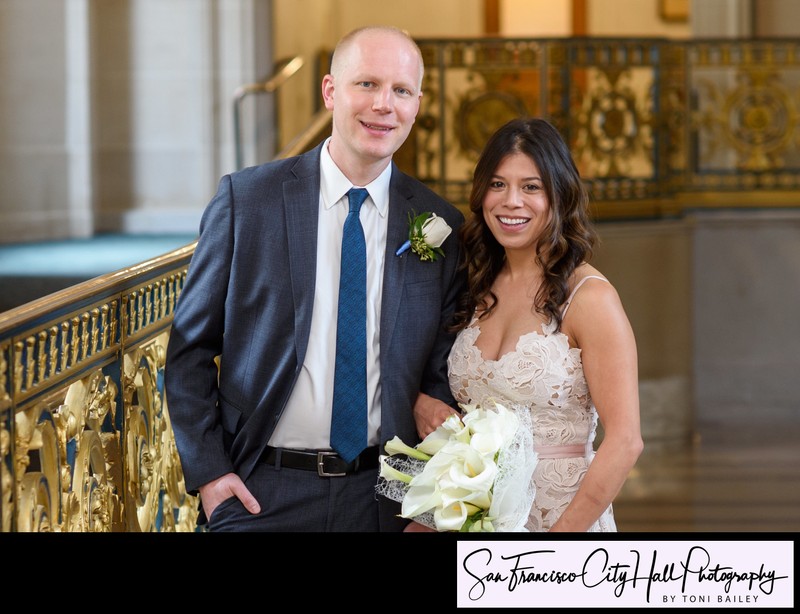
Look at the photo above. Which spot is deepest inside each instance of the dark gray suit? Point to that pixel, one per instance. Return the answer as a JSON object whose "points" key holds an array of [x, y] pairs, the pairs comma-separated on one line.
{"points": [[252, 278]]}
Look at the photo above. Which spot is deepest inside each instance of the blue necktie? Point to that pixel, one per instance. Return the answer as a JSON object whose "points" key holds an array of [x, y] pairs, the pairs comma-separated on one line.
{"points": [[349, 420]]}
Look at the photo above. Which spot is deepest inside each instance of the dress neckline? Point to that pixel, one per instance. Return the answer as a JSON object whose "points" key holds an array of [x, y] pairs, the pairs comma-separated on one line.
{"points": [[543, 334], [543, 325]]}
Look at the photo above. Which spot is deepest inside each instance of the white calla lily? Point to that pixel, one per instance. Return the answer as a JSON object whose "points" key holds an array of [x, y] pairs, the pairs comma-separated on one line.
{"points": [[439, 464], [396, 446], [451, 429], [390, 473], [422, 496], [487, 444], [453, 516], [475, 475], [451, 493], [492, 429], [491, 434], [450, 517]]}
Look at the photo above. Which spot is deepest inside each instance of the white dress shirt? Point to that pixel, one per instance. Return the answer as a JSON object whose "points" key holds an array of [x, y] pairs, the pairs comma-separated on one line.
{"points": [[306, 421]]}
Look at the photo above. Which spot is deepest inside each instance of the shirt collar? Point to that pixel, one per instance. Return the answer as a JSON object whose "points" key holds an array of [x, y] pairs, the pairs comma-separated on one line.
{"points": [[334, 185]]}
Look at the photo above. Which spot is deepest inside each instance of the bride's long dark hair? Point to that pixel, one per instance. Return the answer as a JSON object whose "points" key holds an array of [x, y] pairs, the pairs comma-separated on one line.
{"points": [[566, 241]]}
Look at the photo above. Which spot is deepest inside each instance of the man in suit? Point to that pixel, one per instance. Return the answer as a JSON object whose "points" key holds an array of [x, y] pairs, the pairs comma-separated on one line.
{"points": [[250, 363]]}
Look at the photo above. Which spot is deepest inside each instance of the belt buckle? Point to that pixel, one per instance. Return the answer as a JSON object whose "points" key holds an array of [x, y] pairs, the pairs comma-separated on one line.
{"points": [[321, 465]]}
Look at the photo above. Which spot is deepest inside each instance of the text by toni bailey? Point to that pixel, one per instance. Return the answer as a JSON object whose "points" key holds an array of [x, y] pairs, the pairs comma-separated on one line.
{"points": [[693, 575]]}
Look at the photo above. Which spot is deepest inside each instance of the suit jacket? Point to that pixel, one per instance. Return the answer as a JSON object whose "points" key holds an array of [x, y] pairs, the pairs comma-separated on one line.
{"points": [[248, 298]]}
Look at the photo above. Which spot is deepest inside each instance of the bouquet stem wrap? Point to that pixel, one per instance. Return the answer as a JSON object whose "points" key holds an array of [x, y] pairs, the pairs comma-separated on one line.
{"points": [[473, 473]]}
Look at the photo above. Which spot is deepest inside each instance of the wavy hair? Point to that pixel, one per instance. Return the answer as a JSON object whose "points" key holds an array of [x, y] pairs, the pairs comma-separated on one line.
{"points": [[566, 241]]}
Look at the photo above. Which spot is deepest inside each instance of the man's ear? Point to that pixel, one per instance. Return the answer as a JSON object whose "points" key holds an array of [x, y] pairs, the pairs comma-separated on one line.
{"points": [[327, 91]]}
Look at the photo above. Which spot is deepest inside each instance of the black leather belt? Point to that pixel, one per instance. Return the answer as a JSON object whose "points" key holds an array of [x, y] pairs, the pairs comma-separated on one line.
{"points": [[326, 463]]}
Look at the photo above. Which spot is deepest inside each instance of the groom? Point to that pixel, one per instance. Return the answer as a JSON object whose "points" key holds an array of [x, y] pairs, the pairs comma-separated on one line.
{"points": [[254, 432]]}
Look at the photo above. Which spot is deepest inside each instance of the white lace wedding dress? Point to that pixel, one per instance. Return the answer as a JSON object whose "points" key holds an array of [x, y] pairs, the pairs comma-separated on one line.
{"points": [[546, 375]]}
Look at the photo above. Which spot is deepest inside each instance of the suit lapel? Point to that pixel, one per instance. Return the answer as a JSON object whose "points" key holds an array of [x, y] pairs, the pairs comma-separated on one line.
{"points": [[400, 205], [301, 205]]}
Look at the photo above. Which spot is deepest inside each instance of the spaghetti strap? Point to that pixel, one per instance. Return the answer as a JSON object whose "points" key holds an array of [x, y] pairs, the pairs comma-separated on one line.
{"points": [[575, 289]]}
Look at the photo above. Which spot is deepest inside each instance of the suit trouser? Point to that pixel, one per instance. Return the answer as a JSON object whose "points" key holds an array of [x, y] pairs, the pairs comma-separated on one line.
{"points": [[300, 500]]}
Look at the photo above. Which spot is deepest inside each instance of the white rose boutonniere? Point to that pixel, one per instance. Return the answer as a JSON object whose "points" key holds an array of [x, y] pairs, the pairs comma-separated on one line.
{"points": [[426, 234]]}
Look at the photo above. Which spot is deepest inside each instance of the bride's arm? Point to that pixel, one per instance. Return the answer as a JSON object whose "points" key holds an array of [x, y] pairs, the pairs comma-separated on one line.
{"points": [[596, 322]]}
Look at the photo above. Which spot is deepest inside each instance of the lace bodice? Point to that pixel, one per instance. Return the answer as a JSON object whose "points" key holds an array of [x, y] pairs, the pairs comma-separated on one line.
{"points": [[542, 372], [545, 374]]}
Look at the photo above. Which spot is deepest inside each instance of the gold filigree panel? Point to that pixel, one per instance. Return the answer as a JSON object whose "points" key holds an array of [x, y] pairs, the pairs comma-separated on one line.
{"points": [[614, 143], [155, 488], [85, 440], [470, 89], [6, 441], [614, 135], [747, 120], [65, 460], [5, 381], [7, 499], [671, 117], [646, 119], [599, 93]]}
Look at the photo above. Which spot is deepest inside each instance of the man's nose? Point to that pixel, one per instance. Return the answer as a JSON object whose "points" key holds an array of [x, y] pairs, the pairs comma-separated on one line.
{"points": [[382, 100]]}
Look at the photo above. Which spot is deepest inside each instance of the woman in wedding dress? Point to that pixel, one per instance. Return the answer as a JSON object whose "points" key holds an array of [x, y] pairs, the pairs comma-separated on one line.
{"points": [[542, 328]]}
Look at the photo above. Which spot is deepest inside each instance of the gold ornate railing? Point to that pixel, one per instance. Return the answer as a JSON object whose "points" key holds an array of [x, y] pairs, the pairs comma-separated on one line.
{"points": [[656, 126], [85, 438]]}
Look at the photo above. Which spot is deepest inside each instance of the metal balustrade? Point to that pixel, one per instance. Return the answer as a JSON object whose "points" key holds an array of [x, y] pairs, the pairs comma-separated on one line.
{"points": [[85, 438]]}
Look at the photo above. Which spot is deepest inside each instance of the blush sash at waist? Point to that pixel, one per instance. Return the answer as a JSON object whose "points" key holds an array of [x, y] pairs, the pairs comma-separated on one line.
{"points": [[570, 451]]}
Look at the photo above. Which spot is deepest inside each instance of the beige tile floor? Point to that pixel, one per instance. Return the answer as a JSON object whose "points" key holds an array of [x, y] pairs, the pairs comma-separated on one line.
{"points": [[735, 477]]}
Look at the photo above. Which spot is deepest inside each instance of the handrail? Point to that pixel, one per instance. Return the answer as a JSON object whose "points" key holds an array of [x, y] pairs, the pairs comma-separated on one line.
{"points": [[320, 124], [284, 69], [104, 284]]}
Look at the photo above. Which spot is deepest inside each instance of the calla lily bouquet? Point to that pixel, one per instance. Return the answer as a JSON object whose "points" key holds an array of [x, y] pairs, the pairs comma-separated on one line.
{"points": [[427, 232], [472, 474]]}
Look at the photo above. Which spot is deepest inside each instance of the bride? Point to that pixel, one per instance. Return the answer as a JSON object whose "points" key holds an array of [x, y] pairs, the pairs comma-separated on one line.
{"points": [[541, 327]]}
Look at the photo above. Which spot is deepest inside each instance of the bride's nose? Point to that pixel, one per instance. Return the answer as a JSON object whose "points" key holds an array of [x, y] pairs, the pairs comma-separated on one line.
{"points": [[514, 199]]}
